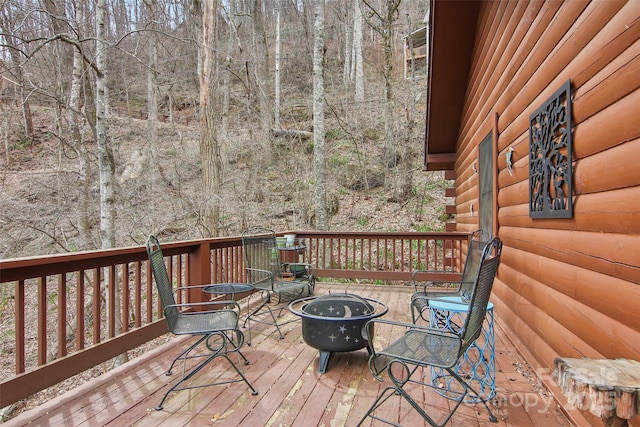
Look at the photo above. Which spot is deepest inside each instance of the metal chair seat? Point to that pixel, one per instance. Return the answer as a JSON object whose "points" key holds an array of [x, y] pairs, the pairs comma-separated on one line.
{"points": [[200, 322], [425, 349]]}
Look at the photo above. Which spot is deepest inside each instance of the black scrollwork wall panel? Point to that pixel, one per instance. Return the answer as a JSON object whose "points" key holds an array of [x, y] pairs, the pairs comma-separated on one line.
{"points": [[550, 148]]}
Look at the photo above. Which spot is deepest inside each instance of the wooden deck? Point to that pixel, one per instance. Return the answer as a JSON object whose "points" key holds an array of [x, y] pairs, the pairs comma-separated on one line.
{"points": [[291, 391]]}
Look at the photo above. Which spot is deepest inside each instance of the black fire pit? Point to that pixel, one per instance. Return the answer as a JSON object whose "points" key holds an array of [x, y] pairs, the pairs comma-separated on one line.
{"points": [[334, 322]]}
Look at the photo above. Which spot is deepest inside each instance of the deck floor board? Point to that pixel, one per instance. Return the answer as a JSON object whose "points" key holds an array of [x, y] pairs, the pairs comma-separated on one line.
{"points": [[291, 391]]}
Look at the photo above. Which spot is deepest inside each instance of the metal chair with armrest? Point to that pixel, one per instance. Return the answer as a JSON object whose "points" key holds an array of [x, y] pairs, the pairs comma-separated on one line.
{"points": [[421, 347], [216, 326], [266, 273], [420, 298]]}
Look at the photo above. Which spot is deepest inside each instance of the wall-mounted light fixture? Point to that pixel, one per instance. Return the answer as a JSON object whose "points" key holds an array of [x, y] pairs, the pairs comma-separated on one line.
{"points": [[509, 158]]}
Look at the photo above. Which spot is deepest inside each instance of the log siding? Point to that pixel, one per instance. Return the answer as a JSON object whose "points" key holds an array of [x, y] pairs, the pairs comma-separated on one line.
{"points": [[566, 287]]}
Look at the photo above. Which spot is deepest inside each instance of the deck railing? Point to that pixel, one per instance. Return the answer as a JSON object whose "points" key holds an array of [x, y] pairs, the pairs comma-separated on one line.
{"points": [[64, 314]]}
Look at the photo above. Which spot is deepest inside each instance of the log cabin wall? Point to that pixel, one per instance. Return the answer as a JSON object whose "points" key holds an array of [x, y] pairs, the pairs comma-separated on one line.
{"points": [[565, 287]]}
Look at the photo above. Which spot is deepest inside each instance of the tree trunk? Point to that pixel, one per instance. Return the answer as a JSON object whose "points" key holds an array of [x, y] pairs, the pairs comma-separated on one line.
{"points": [[106, 164], [78, 143], [320, 188], [276, 116], [382, 22], [226, 73], [261, 66], [357, 52], [18, 75], [195, 13], [152, 87], [349, 54], [209, 146], [389, 146]]}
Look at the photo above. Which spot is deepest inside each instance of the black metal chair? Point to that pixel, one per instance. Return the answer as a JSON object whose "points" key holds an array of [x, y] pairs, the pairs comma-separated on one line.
{"points": [[422, 347], [216, 326], [279, 283], [425, 291]]}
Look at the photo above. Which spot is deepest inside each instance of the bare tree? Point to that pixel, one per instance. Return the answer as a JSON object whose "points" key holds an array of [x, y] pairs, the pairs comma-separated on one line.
{"points": [[152, 85], [209, 145], [320, 187], [8, 20], [347, 68], [76, 135], [261, 65], [382, 22], [357, 63], [106, 164], [152, 74]]}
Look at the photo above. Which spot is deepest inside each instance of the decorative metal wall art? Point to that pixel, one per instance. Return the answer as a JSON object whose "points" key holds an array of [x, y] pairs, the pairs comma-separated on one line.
{"points": [[550, 157]]}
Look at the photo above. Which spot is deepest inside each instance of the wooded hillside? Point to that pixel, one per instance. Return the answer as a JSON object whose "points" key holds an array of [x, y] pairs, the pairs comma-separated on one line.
{"points": [[49, 168]]}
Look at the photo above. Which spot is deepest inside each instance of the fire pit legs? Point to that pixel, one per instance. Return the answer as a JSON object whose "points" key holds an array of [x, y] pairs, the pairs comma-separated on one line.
{"points": [[323, 362]]}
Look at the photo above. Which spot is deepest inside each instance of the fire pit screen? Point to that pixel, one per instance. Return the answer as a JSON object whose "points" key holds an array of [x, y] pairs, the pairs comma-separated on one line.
{"points": [[334, 322]]}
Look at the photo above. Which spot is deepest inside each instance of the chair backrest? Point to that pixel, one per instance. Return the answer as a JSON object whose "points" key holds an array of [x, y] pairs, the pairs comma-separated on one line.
{"points": [[477, 243], [161, 277], [260, 253], [481, 292]]}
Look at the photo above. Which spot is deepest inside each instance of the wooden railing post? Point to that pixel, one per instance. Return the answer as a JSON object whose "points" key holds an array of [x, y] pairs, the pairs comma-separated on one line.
{"points": [[198, 271]]}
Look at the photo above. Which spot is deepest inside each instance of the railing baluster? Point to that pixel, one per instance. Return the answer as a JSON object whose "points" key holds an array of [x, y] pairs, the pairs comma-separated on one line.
{"points": [[180, 275], [126, 294], [80, 310], [149, 305], [137, 283], [97, 279], [42, 320], [62, 315], [20, 325], [111, 300]]}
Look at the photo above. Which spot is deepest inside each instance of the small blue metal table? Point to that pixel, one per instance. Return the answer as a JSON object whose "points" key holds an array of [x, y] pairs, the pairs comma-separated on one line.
{"points": [[478, 363]]}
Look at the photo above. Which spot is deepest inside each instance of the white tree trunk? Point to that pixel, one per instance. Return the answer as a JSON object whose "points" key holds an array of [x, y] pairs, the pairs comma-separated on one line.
{"points": [[78, 142], [320, 188], [105, 156], [347, 70], [357, 50], [276, 115]]}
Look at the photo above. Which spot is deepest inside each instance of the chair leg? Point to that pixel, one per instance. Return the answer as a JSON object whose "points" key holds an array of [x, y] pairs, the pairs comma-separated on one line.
{"points": [[382, 397], [468, 388], [398, 388], [221, 351], [247, 321], [184, 353]]}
